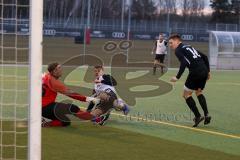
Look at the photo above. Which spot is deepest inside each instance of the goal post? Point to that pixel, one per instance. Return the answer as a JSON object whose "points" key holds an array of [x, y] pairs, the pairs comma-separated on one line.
{"points": [[35, 52], [21, 24]]}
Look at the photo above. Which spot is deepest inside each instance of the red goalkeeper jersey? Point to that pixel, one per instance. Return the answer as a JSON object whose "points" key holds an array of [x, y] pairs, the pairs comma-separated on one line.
{"points": [[50, 87]]}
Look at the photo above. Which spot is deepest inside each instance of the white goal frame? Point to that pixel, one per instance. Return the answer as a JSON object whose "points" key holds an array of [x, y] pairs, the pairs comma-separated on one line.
{"points": [[35, 88]]}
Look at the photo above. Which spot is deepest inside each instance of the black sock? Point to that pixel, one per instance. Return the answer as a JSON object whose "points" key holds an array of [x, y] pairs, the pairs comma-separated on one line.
{"points": [[203, 103], [192, 105], [154, 69], [107, 116]]}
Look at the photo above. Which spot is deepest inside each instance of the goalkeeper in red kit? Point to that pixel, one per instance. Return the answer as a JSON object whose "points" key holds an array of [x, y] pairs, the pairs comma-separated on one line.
{"points": [[57, 111]]}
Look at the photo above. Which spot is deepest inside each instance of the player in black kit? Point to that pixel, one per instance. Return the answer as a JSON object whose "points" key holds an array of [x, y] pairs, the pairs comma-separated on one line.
{"points": [[199, 73]]}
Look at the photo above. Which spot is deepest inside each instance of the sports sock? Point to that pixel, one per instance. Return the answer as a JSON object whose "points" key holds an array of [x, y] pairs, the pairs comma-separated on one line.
{"points": [[192, 105], [84, 115], [55, 123], [203, 103]]}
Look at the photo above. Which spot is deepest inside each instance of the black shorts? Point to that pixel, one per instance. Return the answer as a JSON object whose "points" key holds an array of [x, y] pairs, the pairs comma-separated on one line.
{"points": [[106, 103], [160, 57], [197, 79], [58, 111]]}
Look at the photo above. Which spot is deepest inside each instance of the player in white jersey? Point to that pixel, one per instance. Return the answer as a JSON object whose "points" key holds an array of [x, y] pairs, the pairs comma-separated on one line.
{"points": [[105, 91], [160, 50]]}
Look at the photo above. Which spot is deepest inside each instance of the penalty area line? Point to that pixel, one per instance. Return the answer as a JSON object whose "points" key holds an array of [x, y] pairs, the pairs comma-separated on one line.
{"points": [[183, 127]]}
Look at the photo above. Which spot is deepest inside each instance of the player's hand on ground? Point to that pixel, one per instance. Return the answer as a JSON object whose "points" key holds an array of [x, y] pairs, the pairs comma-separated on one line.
{"points": [[173, 79], [92, 99]]}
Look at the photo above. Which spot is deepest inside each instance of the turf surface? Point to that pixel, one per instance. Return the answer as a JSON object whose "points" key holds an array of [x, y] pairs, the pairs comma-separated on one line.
{"points": [[158, 127], [134, 137], [85, 141]]}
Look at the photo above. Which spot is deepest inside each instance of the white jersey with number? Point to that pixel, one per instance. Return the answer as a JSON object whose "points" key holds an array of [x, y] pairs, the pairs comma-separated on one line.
{"points": [[161, 47], [100, 87]]}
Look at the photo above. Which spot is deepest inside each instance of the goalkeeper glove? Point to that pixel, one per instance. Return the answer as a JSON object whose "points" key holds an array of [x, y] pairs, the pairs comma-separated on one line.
{"points": [[92, 99]]}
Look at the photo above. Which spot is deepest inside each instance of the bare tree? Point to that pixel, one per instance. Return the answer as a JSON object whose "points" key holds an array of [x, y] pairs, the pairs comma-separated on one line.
{"points": [[143, 9], [225, 11], [111, 8], [168, 6], [192, 9]]}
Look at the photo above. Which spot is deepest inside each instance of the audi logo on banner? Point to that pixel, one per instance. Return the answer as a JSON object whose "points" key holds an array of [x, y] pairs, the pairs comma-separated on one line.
{"points": [[118, 35], [50, 32], [187, 37]]}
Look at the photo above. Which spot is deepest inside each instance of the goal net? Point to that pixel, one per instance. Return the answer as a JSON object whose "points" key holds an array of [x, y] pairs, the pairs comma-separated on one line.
{"points": [[20, 79]]}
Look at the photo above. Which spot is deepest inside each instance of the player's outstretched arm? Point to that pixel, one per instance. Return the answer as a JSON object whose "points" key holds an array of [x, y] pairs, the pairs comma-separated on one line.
{"points": [[76, 96], [59, 87], [80, 97]]}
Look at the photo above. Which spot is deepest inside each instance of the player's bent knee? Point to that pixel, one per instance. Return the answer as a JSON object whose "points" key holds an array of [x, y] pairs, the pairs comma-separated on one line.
{"points": [[187, 92], [183, 96], [186, 95], [198, 92]]}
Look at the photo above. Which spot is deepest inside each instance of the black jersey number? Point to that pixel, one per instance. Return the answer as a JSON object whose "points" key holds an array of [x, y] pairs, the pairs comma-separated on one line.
{"points": [[194, 52]]}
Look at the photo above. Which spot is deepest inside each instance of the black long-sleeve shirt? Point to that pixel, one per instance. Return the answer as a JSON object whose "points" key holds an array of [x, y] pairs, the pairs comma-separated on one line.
{"points": [[190, 58]]}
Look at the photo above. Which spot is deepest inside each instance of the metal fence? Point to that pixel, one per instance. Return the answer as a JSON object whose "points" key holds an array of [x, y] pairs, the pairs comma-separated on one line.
{"points": [[142, 25]]}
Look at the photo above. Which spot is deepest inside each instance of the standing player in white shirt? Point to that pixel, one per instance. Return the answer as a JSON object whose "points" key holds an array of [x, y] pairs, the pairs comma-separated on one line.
{"points": [[160, 50]]}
